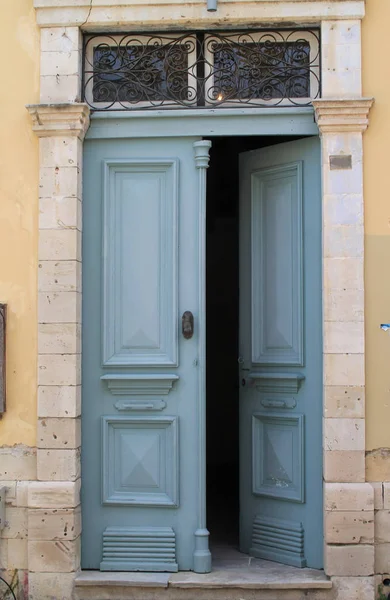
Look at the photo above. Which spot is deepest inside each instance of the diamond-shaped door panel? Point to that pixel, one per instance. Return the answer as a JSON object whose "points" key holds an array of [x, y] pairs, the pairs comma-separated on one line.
{"points": [[140, 461], [140, 465], [277, 456]]}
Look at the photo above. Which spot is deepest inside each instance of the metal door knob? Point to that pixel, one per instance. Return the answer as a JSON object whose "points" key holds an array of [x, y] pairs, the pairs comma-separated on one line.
{"points": [[187, 324]]}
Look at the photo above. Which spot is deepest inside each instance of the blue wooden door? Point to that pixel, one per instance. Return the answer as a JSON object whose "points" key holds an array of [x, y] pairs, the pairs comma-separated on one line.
{"points": [[141, 391], [281, 354]]}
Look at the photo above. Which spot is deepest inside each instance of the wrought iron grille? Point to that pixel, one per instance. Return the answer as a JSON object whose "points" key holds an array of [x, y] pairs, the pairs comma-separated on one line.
{"points": [[202, 69]]}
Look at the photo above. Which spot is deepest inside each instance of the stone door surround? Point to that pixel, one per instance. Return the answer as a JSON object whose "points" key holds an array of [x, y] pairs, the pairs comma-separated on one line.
{"points": [[60, 122]]}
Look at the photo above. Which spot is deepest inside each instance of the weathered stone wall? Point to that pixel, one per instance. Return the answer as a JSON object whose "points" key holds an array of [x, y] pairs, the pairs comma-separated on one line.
{"points": [[356, 513], [17, 469]]}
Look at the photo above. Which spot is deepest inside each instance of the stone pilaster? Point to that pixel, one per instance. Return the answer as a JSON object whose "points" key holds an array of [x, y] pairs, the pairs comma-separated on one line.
{"points": [[60, 68], [341, 71], [54, 523], [349, 501]]}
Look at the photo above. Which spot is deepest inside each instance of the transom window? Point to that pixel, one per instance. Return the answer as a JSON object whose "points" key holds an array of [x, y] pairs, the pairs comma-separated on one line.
{"points": [[202, 69]]}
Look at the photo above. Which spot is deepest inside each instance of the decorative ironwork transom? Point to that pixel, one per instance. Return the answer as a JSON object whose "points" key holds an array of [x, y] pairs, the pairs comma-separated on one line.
{"points": [[202, 69]]}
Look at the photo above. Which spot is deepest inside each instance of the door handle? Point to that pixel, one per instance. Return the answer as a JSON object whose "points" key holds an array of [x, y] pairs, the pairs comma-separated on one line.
{"points": [[187, 324]]}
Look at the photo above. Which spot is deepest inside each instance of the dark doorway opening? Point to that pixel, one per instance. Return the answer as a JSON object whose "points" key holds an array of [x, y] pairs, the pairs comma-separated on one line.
{"points": [[222, 298]]}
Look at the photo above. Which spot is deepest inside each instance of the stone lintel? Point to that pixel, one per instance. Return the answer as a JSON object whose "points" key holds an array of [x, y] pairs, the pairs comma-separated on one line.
{"points": [[127, 14], [51, 120], [335, 115]]}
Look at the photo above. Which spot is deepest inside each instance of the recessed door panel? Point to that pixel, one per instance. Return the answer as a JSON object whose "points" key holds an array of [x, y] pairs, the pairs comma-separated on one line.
{"points": [[140, 262], [276, 249], [140, 461], [278, 456]]}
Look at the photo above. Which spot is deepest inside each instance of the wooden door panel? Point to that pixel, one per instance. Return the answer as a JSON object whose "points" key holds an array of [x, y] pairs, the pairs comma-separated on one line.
{"points": [[281, 349], [141, 390], [140, 253], [276, 215], [278, 456]]}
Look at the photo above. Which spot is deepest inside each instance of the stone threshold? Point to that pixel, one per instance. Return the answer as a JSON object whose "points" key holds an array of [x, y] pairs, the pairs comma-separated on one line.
{"points": [[235, 576], [273, 578]]}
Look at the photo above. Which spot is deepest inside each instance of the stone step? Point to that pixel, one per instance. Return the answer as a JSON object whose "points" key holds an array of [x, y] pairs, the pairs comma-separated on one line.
{"points": [[282, 583]]}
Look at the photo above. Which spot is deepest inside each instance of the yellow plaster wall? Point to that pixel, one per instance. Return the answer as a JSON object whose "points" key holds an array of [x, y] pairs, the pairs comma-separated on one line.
{"points": [[18, 215], [376, 82]]}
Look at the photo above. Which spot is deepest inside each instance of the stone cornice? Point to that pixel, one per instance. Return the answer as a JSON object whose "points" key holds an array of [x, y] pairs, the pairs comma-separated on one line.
{"points": [[342, 114], [59, 119], [132, 14]]}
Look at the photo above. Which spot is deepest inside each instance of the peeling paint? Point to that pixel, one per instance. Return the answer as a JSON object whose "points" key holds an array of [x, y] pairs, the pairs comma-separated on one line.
{"points": [[378, 464], [382, 452]]}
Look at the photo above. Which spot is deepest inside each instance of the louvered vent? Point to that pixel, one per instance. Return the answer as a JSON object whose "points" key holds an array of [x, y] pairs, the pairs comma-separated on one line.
{"points": [[139, 549], [278, 540]]}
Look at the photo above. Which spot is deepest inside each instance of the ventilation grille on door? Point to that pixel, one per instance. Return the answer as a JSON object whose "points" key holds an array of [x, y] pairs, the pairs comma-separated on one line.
{"points": [[139, 549], [278, 540]]}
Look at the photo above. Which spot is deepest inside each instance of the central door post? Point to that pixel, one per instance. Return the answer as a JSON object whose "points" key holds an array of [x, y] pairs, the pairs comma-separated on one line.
{"points": [[202, 554]]}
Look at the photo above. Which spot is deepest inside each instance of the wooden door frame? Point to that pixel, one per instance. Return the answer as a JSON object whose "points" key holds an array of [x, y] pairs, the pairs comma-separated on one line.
{"points": [[61, 123], [111, 125]]}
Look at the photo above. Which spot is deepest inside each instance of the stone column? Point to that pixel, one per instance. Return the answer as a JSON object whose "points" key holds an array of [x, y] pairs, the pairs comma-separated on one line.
{"points": [[54, 522], [349, 501]]}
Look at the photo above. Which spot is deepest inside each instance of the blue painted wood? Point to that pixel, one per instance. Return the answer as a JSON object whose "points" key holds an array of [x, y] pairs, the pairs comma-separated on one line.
{"points": [[139, 549], [280, 540], [280, 334], [278, 456], [140, 461], [277, 268], [141, 271], [140, 405], [207, 122], [139, 384], [202, 554], [140, 252], [274, 382]]}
